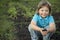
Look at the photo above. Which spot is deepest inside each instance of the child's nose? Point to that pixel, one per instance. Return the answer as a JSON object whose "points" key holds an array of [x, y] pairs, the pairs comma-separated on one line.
{"points": [[44, 11]]}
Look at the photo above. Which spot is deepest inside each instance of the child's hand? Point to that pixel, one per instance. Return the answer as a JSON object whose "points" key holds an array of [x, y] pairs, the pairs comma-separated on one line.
{"points": [[44, 32]]}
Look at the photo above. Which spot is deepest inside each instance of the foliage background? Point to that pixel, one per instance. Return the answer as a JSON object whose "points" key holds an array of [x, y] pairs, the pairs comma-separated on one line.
{"points": [[15, 15]]}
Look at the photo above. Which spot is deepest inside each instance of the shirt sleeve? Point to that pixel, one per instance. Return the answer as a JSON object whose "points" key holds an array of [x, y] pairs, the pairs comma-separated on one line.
{"points": [[35, 18], [51, 19]]}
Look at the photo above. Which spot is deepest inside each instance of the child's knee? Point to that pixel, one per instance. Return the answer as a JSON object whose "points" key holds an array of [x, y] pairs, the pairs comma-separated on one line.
{"points": [[30, 29]]}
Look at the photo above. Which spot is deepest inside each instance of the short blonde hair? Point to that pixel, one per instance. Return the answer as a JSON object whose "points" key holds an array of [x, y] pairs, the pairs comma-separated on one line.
{"points": [[43, 3]]}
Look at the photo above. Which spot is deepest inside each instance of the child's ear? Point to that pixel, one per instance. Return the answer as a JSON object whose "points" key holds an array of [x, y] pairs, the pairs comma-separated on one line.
{"points": [[38, 11]]}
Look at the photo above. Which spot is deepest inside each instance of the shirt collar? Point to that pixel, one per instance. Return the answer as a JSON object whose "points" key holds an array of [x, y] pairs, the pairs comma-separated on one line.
{"points": [[42, 18]]}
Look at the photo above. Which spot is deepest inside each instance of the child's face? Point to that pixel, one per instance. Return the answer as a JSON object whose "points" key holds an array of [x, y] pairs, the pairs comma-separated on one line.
{"points": [[44, 11]]}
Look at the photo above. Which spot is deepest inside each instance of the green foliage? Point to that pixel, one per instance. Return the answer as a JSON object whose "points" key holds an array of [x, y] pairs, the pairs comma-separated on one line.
{"points": [[6, 25], [26, 11], [55, 5], [6, 28], [12, 10]]}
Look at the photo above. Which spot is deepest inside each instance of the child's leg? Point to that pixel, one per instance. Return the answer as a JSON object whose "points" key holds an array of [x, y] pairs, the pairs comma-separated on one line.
{"points": [[32, 33], [47, 37]]}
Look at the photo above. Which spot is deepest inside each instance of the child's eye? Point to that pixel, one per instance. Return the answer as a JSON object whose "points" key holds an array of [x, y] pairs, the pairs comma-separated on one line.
{"points": [[42, 10], [46, 10]]}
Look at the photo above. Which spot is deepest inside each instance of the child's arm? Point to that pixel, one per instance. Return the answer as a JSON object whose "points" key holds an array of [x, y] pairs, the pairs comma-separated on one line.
{"points": [[35, 27], [52, 27]]}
